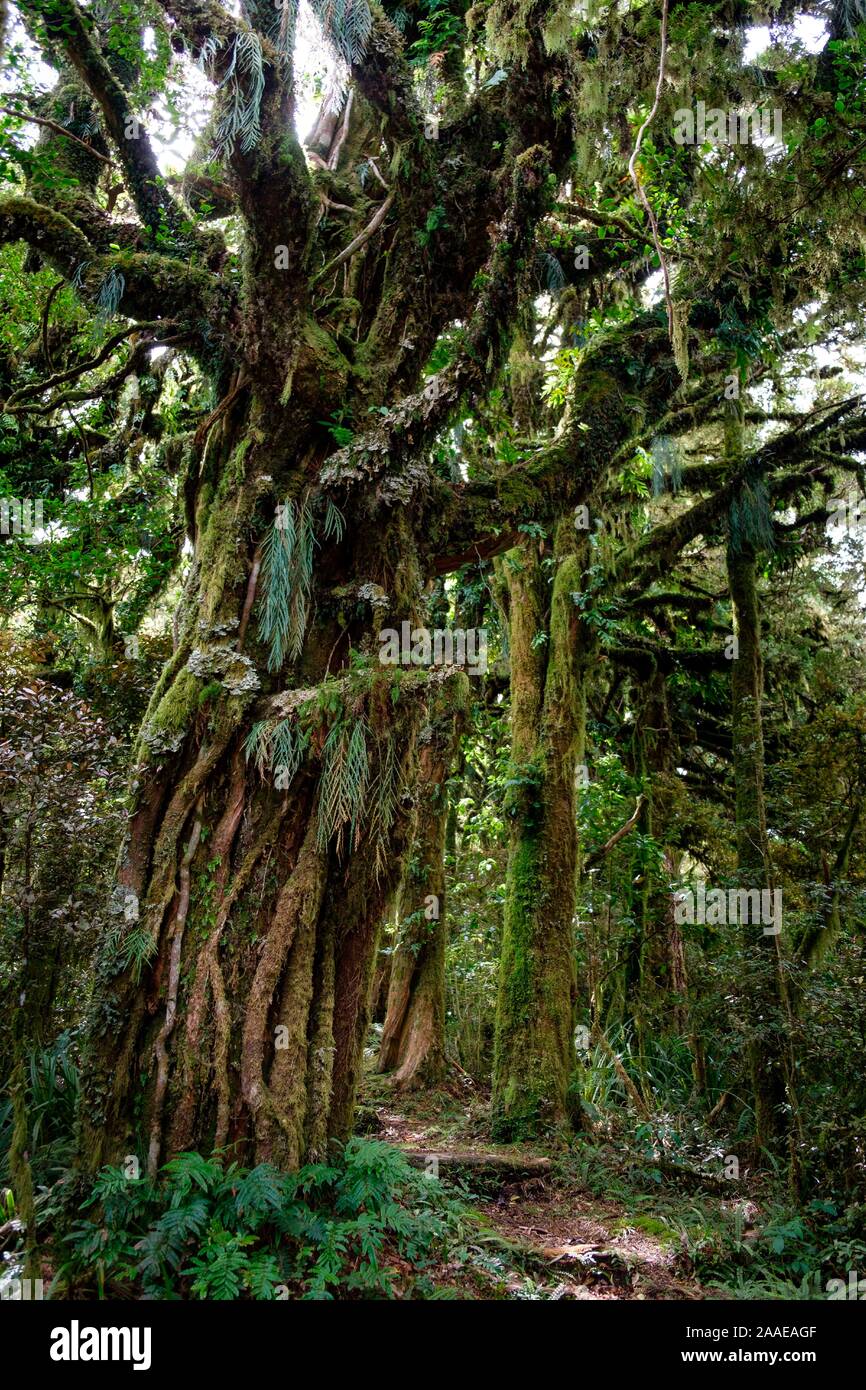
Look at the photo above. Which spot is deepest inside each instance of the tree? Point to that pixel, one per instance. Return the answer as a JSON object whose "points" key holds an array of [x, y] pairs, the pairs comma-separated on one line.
{"points": [[355, 304]]}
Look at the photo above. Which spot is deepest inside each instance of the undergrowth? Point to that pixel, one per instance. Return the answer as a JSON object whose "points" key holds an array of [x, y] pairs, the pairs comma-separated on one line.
{"points": [[365, 1225]]}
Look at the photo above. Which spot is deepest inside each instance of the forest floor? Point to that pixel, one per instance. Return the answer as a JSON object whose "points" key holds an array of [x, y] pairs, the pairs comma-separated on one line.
{"points": [[539, 1232]]}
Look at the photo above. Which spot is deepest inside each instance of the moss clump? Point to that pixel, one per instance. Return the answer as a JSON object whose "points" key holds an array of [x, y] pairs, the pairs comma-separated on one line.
{"points": [[168, 727]]}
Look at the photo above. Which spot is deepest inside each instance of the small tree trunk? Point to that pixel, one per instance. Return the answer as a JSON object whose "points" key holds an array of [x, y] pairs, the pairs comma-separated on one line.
{"points": [[413, 1038], [764, 995], [534, 1046]]}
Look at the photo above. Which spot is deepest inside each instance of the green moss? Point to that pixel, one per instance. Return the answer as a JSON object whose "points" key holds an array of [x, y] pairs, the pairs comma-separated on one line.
{"points": [[174, 713], [210, 692]]}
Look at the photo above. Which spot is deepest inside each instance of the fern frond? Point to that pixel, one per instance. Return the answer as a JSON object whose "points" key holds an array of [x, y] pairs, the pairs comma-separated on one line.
{"points": [[345, 770], [335, 523], [256, 744], [346, 26], [243, 87], [357, 774], [383, 802], [287, 751], [550, 273]]}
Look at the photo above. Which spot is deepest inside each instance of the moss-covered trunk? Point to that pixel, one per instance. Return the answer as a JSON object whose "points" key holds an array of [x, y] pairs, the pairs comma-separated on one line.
{"points": [[763, 1004], [413, 1036], [534, 1045], [271, 815]]}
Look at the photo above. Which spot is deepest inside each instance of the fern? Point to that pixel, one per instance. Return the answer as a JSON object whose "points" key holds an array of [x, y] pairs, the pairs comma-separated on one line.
{"points": [[285, 24], [191, 1170], [666, 465], [137, 949], [287, 571], [335, 523], [208, 1232], [849, 15], [221, 1268], [346, 26], [345, 771], [750, 518], [243, 85], [260, 1195], [107, 300], [257, 744], [551, 275], [287, 751], [383, 803]]}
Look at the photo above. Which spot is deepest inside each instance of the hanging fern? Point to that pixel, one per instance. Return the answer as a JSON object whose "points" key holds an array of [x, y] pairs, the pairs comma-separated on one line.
{"points": [[287, 572], [666, 465], [109, 297], [345, 773], [134, 949], [383, 797], [256, 745], [286, 751], [285, 24], [346, 25], [550, 273], [335, 522], [279, 746], [750, 518], [849, 15], [243, 85]]}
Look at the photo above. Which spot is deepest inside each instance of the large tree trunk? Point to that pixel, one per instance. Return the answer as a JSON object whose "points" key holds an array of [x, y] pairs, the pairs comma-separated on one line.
{"points": [[534, 1045], [413, 1037], [232, 1002]]}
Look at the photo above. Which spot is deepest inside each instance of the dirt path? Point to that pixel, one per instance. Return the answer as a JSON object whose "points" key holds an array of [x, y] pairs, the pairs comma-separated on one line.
{"points": [[544, 1236]]}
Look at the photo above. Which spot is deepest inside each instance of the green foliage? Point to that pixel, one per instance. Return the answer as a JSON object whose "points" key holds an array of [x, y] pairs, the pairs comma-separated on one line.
{"points": [[51, 1097], [346, 25], [287, 569], [345, 773], [750, 518], [208, 1229], [242, 88]]}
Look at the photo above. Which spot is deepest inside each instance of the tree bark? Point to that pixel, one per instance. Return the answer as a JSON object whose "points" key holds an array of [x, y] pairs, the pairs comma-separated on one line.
{"points": [[534, 1046], [413, 1038], [764, 996]]}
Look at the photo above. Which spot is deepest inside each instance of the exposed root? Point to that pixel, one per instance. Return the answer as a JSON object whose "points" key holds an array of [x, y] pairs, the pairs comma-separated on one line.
{"points": [[171, 1000]]}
